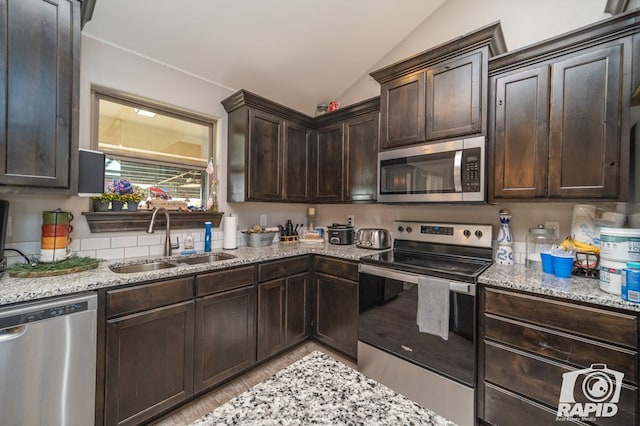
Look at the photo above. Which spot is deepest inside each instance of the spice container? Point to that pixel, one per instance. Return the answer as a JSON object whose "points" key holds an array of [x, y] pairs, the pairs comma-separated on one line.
{"points": [[539, 240]]}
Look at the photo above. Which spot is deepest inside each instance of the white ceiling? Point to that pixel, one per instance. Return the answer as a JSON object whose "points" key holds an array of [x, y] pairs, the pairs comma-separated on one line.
{"points": [[296, 52]]}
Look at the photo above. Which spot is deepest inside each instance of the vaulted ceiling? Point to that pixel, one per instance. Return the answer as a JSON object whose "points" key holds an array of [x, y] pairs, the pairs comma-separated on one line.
{"points": [[296, 52]]}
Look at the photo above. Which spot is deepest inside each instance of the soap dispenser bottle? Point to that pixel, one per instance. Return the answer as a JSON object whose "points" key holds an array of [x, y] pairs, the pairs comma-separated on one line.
{"points": [[188, 241]]}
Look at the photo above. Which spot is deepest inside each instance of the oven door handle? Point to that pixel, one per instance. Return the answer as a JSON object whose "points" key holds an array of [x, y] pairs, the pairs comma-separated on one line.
{"points": [[457, 171], [455, 286]]}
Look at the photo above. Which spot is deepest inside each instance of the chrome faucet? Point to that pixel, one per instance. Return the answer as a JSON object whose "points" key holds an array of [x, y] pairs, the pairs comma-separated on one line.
{"points": [[167, 239]]}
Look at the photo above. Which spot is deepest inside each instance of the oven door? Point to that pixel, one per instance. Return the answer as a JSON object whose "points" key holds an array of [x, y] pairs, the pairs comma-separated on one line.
{"points": [[388, 320]]}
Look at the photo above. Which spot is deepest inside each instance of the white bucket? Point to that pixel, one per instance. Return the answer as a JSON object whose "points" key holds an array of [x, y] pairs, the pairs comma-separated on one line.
{"points": [[611, 276], [620, 244]]}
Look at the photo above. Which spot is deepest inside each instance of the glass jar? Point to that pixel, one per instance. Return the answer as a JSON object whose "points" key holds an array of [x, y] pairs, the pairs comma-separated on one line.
{"points": [[539, 239]]}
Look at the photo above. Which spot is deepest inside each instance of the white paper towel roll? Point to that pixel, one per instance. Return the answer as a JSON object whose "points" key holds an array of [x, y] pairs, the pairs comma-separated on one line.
{"points": [[230, 231]]}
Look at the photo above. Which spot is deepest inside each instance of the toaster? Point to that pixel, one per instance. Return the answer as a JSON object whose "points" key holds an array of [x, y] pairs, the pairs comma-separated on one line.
{"points": [[373, 238]]}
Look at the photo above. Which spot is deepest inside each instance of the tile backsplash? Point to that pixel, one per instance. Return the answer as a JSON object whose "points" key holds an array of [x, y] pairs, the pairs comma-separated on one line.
{"points": [[122, 247]]}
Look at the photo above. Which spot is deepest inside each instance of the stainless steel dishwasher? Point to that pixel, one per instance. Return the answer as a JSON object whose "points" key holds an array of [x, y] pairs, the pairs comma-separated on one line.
{"points": [[48, 362]]}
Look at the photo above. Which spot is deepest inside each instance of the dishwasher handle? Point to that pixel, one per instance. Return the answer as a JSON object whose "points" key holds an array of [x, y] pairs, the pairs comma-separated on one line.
{"points": [[12, 333]]}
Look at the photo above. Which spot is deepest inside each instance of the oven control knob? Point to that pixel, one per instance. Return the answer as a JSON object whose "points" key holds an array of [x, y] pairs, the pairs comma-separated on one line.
{"points": [[466, 233], [479, 233], [400, 229], [409, 229]]}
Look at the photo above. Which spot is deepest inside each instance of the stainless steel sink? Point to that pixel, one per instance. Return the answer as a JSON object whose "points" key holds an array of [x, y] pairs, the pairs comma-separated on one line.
{"points": [[207, 258], [141, 267]]}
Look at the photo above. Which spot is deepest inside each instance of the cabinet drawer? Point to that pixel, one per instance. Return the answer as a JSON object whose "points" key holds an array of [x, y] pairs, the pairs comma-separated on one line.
{"points": [[541, 380], [561, 346], [336, 267], [215, 282], [508, 409], [586, 321], [283, 268], [148, 296]]}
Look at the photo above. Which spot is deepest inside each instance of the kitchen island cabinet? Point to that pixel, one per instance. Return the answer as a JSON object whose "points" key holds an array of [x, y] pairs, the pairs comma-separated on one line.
{"points": [[284, 305], [438, 94], [336, 304], [527, 343], [559, 116], [39, 122]]}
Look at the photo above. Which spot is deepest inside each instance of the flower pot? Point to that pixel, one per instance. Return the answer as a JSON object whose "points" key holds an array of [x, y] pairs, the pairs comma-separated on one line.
{"points": [[132, 206], [100, 206], [116, 206]]}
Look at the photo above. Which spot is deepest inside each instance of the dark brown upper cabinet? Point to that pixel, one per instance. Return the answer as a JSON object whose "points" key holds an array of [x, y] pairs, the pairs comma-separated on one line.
{"points": [[39, 81], [439, 93], [269, 150], [402, 108], [328, 148], [278, 154], [559, 116], [345, 154]]}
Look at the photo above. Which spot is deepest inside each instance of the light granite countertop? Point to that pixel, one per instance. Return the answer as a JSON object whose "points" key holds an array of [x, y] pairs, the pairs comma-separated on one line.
{"points": [[320, 390], [518, 277], [14, 290], [531, 280]]}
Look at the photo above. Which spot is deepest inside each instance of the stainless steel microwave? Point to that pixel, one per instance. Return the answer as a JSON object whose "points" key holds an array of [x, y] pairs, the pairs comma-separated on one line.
{"points": [[441, 172]]}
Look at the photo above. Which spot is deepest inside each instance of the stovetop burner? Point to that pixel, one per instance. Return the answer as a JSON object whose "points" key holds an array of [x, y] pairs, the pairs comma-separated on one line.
{"points": [[454, 251]]}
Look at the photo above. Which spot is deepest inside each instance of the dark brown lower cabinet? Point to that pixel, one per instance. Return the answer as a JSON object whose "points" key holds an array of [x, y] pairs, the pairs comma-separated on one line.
{"points": [[225, 335], [527, 343], [167, 340], [336, 304], [149, 363], [225, 342], [283, 314]]}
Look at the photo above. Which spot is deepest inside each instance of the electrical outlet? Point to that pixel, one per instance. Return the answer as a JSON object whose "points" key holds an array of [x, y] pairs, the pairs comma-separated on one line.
{"points": [[351, 220], [263, 220], [555, 226]]}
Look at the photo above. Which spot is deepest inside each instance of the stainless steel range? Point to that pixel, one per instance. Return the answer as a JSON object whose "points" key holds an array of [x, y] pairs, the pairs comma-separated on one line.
{"points": [[417, 322]]}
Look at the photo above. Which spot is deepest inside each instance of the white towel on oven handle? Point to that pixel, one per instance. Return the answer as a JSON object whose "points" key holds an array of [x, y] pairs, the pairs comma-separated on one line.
{"points": [[433, 306]]}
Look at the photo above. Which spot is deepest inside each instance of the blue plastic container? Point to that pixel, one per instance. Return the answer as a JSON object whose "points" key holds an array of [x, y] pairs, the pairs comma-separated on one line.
{"points": [[207, 236], [562, 266], [547, 263], [630, 288]]}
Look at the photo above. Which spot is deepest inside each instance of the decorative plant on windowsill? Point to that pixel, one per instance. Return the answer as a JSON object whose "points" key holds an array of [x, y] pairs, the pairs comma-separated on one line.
{"points": [[118, 193], [101, 203], [132, 200]]}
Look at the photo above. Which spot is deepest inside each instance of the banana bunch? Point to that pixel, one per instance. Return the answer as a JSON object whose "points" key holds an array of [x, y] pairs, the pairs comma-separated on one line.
{"points": [[571, 244]]}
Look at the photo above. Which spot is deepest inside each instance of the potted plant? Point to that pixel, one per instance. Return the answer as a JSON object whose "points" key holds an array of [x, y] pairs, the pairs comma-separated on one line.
{"points": [[123, 194], [132, 200], [101, 203]]}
